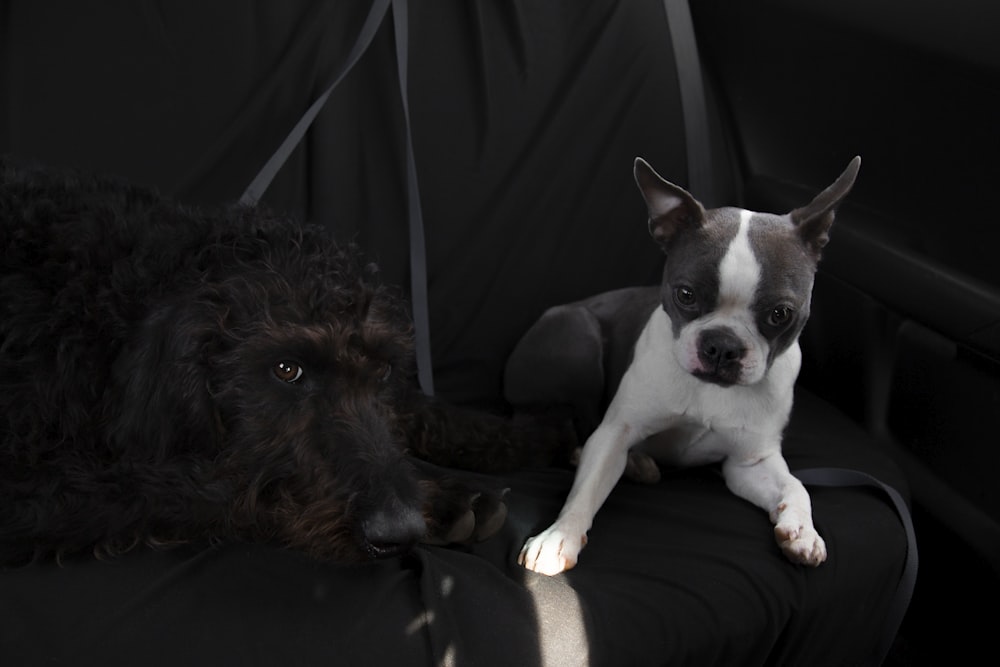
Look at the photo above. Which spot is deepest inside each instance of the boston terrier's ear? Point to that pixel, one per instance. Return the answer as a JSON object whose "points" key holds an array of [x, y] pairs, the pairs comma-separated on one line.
{"points": [[814, 219], [670, 207]]}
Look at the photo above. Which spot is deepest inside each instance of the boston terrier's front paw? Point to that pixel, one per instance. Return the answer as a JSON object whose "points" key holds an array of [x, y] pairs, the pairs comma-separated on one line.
{"points": [[798, 539], [552, 551]]}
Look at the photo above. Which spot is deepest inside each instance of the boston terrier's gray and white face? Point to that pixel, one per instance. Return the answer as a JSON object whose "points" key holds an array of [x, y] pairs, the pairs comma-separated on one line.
{"points": [[736, 284]]}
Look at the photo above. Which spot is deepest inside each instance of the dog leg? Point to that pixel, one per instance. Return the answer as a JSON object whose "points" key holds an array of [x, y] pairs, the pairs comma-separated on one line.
{"points": [[478, 441], [642, 468], [602, 463], [560, 362], [768, 484]]}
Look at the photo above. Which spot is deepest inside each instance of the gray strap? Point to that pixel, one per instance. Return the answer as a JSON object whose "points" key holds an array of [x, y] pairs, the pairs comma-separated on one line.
{"points": [[263, 179], [908, 578], [418, 259], [418, 262], [701, 181]]}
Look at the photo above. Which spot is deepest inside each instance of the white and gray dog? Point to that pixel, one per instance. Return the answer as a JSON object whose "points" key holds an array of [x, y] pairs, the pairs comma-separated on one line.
{"points": [[700, 369]]}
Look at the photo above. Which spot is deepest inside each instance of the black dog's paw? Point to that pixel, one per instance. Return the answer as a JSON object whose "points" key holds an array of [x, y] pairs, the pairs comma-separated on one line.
{"points": [[484, 516], [490, 513], [460, 511]]}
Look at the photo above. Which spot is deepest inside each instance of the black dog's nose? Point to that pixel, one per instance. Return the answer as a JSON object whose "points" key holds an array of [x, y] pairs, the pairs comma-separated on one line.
{"points": [[392, 531], [719, 347]]}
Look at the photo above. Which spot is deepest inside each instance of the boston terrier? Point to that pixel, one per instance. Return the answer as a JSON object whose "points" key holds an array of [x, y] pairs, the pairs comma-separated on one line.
{"points": [[700, 369]]}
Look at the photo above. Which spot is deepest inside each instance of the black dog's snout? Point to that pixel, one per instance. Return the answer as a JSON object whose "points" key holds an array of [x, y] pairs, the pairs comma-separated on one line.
{"points": [[391, 531]]}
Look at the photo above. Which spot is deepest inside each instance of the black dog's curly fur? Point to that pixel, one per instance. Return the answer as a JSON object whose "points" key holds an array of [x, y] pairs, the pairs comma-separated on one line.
{"points": [[169, 375]]}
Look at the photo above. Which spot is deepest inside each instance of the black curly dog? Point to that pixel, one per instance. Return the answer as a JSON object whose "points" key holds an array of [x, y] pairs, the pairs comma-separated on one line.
{"points": [[170, 375]]}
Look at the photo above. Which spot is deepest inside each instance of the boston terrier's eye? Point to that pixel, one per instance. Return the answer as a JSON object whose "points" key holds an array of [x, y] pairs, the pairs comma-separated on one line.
{"points": [[685, 297], [287, 371], [779, 316]]}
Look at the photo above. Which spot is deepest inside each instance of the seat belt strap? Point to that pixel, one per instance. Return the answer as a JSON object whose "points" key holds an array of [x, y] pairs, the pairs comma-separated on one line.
{"points": [[694, 108], [908, 578], [418, 258], [418, 262], [263, 179]]}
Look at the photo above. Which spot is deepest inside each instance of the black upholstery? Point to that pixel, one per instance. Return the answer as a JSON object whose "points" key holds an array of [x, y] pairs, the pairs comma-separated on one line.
{"points": [[682, 572]]}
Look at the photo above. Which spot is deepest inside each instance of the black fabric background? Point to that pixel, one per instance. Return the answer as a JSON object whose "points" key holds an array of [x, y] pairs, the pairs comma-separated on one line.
{"points": [[526, 119]]}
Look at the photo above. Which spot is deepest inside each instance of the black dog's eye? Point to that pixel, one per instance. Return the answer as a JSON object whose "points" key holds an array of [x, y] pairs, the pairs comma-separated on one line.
{"points": [[685, 297], [779, 316], [287, 371]]}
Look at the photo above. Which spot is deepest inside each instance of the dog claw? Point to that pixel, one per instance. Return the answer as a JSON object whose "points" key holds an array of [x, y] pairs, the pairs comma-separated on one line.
{"points": [[492, 525], [460, 531]]}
